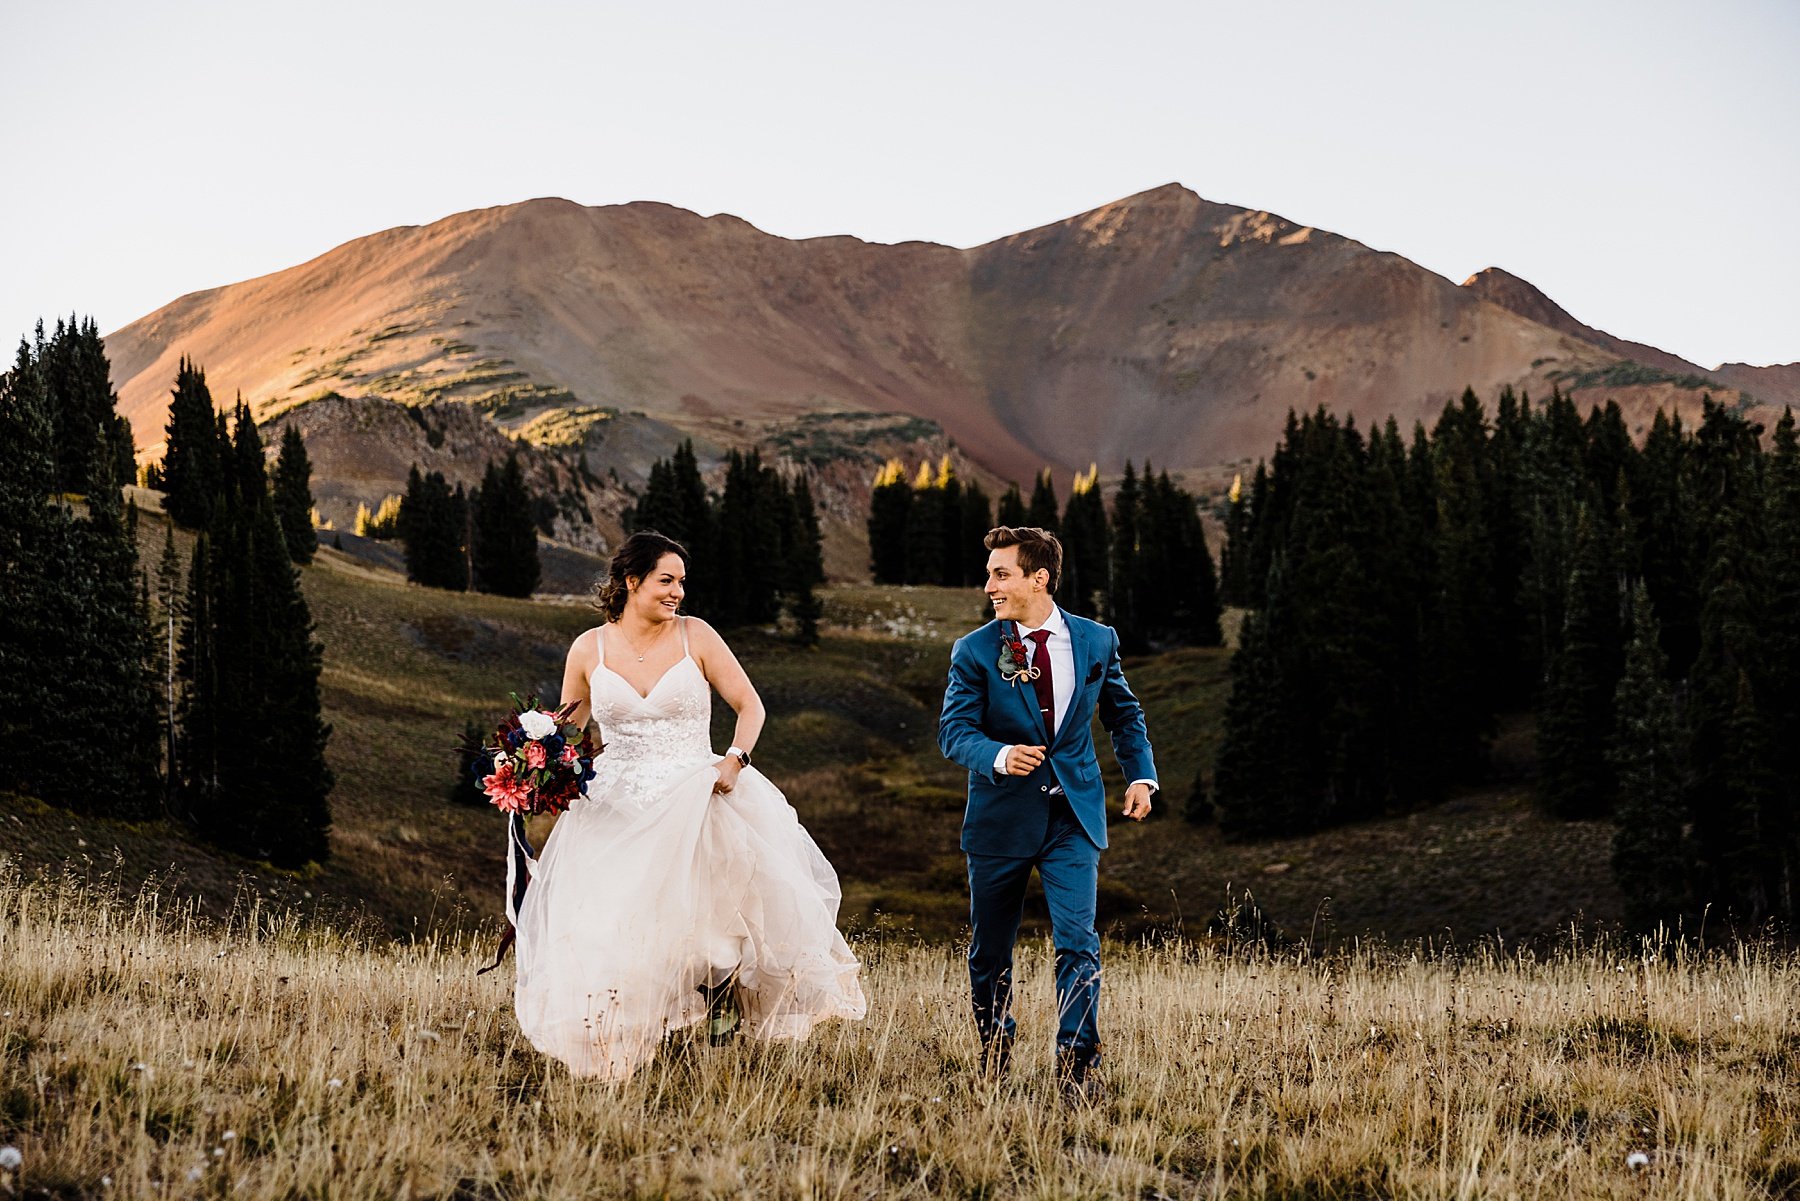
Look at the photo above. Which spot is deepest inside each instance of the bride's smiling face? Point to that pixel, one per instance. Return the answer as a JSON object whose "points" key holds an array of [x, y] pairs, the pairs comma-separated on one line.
{"points": [[657, 597]]}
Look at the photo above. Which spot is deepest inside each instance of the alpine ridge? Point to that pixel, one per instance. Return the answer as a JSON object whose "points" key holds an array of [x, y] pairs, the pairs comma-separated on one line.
{"points": [[1161, 326]]}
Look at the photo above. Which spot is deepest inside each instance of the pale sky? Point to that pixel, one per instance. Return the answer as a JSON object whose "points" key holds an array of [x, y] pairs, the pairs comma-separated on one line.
{"points": [[1639, 161]]}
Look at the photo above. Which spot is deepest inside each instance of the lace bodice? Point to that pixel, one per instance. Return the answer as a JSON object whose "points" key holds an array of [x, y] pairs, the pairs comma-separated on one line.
{"points": [[649, 738]]}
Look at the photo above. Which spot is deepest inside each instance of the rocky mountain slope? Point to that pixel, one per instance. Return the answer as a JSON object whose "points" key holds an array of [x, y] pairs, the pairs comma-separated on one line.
{"points": [[1162, 327]]}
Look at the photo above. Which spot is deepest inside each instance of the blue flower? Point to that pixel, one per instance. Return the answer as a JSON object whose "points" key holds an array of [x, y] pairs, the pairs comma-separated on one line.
{"points": [[554, 743]]}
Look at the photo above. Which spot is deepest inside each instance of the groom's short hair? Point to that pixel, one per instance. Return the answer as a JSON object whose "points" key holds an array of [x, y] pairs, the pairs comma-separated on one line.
{"points": [[1038, 549]]}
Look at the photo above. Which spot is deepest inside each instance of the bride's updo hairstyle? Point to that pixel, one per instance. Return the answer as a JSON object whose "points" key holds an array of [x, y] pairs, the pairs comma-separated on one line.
{"points": [[637, 557]]}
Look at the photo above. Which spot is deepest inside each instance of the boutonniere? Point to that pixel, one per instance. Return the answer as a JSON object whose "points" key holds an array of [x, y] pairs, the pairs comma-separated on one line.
{"points": [[1014, 664]]}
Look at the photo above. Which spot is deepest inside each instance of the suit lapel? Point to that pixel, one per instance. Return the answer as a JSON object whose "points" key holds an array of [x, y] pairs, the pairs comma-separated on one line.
{"points": [[1020, 688], [1081, 652]]}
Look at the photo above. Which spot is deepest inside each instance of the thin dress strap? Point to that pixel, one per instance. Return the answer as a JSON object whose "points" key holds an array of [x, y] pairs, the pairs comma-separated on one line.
{"points": [[682, 622]]}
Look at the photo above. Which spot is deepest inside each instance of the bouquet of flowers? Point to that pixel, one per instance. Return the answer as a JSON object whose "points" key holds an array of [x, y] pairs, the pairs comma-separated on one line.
{"points": [[537, 762]]}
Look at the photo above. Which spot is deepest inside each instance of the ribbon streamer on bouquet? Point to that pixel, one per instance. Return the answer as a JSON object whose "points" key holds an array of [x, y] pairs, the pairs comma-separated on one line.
{"points": [[520, 859]]}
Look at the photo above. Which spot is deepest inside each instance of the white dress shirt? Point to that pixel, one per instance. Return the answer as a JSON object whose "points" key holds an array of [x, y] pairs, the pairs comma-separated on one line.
{"points": [[1061, 649]]}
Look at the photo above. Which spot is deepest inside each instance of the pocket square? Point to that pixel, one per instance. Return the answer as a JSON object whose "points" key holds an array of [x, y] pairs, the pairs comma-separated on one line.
{"points": [[1094, 673]]}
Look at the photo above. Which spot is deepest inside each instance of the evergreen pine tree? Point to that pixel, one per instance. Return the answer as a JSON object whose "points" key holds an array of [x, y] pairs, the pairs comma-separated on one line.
{"points": [[1649, 858], [696, 528], [251, 754], [167, 616], [1259, 541], [1085, 547], [1610, 454], [890, 511], [1507, 514], [249, 469], [192, 474], [1459, 659], [1331, 667], [1256, 786], [1194, 616], [1234, 557], [806, 565], [748, 550], [1394, 557], [1666, 524], [111, 685], [1203, 623], [206, 699], [1781, 660], [977, 520], [77, 643], [293, 497], [433, 522], [690, 492], [950, 515], [925, 549], [1124, 588], [503, 548], [658, 507], [1731, 787], [1011, 511], [92, 443], [1575, 718], [32, 531], [1042, 510], [1555, 481], [285, 773]]}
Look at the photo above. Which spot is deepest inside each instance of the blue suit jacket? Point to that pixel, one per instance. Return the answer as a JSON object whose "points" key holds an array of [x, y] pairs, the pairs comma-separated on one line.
{"points": [[1009, 815]]}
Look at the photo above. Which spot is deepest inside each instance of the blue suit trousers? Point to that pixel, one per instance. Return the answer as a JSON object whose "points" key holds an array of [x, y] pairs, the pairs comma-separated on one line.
{"points": [[1068, 866]]}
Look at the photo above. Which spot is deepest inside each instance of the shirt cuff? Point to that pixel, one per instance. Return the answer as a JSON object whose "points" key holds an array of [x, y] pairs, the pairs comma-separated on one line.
{"points": [[1154, 786], [1000, 761]]}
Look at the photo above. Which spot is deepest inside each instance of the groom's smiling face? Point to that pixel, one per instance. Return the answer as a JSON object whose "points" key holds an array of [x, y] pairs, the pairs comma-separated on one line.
{"points": [[1015, 595]]}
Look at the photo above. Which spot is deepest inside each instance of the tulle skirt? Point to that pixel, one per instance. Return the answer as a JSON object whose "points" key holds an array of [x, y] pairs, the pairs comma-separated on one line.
{"points": [[638, 902]]}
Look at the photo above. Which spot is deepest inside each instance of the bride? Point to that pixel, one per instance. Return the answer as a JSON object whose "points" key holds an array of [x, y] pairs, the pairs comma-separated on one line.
{"points": [[680, 887]]}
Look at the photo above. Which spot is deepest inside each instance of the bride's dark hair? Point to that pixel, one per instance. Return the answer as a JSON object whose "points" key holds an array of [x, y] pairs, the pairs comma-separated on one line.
{"points": [[637, 557]]}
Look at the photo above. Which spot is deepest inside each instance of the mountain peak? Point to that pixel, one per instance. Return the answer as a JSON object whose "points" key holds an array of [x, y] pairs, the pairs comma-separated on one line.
{"points": [[1161, 325], [1521, 296]]}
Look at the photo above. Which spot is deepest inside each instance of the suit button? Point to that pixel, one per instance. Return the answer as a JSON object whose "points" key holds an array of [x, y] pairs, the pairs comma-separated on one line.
{"points": [[1043, 788]]}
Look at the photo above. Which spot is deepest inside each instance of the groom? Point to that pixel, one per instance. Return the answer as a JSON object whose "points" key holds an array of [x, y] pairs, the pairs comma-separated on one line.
{"points": [[1018, 713]]}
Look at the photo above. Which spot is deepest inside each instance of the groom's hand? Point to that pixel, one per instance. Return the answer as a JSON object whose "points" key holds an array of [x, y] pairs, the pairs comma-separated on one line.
{"points": [[1137, 802], [1023, 760]]}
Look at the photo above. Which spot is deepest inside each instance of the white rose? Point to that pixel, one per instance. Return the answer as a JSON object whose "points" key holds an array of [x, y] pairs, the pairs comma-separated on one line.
{"points": [[537, 724]]}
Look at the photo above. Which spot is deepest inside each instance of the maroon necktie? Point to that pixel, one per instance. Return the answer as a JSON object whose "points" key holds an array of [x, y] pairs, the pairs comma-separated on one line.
{"points": [[1046, 690]]}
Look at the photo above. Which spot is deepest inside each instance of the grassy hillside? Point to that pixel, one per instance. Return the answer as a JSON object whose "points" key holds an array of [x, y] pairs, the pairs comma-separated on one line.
{"points": [[852, 742], [143, 1054]]}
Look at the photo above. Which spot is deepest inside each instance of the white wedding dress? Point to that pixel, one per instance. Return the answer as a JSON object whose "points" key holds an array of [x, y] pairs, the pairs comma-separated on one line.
{"points": [[652, 886]]}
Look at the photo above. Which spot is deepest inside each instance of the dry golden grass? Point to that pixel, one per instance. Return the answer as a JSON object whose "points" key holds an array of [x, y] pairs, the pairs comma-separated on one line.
{"points": [[144, 1052]]}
